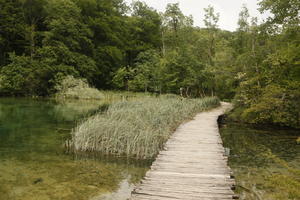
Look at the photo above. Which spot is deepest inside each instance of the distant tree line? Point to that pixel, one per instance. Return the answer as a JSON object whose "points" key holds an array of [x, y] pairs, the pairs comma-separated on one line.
{"points": [[115, 46]]}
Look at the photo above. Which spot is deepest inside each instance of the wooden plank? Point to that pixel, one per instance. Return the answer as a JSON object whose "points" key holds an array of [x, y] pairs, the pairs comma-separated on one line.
{"points": [[143, 197], [179, 195], [184, 190], [191, 166]]}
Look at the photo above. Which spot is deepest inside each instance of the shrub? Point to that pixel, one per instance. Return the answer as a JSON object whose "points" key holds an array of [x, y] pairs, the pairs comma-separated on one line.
{"points": [[73, 88], [137, 128], [22, 77], [277, 105]]}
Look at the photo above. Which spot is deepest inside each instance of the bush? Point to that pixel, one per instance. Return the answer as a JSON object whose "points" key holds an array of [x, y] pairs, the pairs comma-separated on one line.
{"points": [[72, 88], [23, 77], [276, 105], [136, 128]]}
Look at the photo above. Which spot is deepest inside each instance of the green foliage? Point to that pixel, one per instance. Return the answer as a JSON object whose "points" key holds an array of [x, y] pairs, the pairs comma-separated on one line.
{"points": [[136, 128], [19, 77], [122, 77], [147, 72], [243, 19], [146, 22], [71, 88], [181, 71], [90, 39], [174, 17], [269, 87], [66, 27], [284, 11], [135, 48], [275, 105], [12, 25], [211, 19]]}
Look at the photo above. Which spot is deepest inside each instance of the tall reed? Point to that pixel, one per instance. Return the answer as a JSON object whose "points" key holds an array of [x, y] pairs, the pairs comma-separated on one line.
{"points": [[137, 128]]}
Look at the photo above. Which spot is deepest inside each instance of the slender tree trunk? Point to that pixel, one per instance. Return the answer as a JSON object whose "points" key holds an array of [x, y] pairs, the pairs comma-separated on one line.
{"points": [[181, 92], [203, 93], [160, 90], [199, 92], [32, 40], [146, 88], [254, 57], [211, 47], [187, 92], [163, 44], [211, 51]]}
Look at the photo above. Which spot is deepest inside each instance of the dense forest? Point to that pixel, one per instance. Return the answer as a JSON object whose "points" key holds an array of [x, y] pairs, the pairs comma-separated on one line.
{"points": [[133, 47]]}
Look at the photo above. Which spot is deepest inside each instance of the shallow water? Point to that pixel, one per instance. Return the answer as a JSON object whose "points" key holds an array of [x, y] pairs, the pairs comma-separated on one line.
{"points": [[33, 164], [266, 163]]}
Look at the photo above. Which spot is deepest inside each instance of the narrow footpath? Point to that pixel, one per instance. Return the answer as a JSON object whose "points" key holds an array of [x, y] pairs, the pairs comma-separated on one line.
{"points": [[193, 165]]}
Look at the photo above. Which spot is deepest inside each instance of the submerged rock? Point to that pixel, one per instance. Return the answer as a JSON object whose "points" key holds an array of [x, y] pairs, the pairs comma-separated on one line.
{"points": [[38, 180]]}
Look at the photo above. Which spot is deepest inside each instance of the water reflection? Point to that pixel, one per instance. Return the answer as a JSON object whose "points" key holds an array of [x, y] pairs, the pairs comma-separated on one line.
{"points": [[266, 163], [33, 164]]}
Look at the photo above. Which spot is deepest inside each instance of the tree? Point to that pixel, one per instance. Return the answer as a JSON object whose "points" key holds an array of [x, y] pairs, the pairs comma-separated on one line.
{"points": [[285, 12], [34, 16], [242, 30], [19, 78], [147, 74], [66, 27], [68, 40], [211, 19], [174, 17], [12, 26], [243, 24], [110, 33], [145, 31], [175, 27], [270, 87]]}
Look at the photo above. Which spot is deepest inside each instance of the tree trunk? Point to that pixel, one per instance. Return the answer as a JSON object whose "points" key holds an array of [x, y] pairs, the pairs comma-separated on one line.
{"points": [[254, 57], [187, 92], [32, 40], [163, 44]]}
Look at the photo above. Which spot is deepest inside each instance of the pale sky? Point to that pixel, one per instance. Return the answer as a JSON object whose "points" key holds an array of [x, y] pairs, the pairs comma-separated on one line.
{"points": [[228, 9]]}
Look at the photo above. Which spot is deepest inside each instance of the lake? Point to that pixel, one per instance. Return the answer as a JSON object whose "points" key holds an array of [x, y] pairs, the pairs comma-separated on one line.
{"points": [[265, 162], [33, 161], [35, 166]]}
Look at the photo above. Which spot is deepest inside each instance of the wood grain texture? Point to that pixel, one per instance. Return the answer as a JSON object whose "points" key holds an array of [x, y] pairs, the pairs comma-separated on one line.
{"points": [[192, 165]]}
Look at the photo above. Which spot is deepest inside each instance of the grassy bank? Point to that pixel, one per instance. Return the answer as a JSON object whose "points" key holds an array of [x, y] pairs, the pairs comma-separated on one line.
{"points": [[76, 88], [137, 128]]}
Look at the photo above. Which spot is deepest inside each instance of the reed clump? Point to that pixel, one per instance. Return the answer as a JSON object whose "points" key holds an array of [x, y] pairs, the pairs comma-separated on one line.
{"points": [[137, 128], [114, 96]]}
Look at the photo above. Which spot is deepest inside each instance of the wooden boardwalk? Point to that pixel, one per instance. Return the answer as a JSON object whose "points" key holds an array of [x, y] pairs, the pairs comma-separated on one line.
{"points": [[192, 165]]}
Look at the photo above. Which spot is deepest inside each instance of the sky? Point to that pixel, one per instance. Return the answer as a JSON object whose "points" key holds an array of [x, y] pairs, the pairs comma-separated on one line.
{"points": [[228, 9]]}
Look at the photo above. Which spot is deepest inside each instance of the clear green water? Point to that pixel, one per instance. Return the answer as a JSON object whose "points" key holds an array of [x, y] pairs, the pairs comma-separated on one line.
{"points": [[266, 163], [33, 164]]}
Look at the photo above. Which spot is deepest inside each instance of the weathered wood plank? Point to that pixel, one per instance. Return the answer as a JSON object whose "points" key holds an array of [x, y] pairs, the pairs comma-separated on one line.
{"points": [[192, 165], [184, 190]]}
